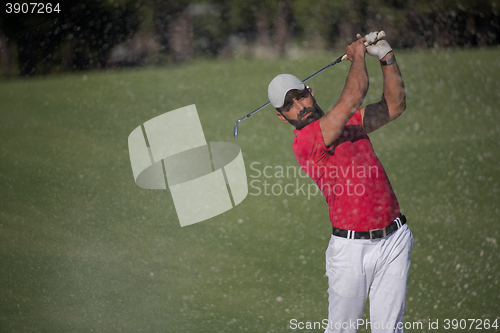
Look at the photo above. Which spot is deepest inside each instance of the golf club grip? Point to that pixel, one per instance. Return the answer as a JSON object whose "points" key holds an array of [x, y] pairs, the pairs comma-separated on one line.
{"points": [[380, 35]]}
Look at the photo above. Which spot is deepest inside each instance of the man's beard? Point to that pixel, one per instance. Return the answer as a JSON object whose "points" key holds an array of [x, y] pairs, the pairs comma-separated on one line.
{"points": [[316, 113]]}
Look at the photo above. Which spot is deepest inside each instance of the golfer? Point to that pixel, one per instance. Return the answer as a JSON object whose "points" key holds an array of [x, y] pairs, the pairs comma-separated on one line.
{"points": [[369, 251]]}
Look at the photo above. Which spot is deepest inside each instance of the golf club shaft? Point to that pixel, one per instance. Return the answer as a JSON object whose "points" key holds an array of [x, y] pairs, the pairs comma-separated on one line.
{"points": [[381, 35]]}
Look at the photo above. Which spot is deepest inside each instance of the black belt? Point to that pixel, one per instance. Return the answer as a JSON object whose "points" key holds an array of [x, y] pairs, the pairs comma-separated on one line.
{"points": [[373, 234]]}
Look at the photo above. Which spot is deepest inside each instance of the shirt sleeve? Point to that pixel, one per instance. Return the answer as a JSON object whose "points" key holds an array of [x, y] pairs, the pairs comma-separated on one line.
{"points": [[318, 138], [309, 143], [356, 119]]}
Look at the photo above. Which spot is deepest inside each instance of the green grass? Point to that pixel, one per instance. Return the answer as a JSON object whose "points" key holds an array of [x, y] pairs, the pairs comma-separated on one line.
{"points": [[83, 249]]}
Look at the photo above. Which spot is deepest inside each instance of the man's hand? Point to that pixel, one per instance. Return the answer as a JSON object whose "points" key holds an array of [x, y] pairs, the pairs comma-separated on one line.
{"points": [[379, 49], [355, 49]]}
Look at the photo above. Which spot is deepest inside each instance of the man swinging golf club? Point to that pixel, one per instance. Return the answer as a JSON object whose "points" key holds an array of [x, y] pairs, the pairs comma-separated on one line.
{"points": [[369, 251]]}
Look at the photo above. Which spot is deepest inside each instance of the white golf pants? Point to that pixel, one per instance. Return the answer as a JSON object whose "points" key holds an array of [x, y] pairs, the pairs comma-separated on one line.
{"points": [[359, 268]]}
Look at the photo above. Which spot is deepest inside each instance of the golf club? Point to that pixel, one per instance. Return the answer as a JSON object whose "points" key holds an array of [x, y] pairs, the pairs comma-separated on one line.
{"points": [[380, 35]]}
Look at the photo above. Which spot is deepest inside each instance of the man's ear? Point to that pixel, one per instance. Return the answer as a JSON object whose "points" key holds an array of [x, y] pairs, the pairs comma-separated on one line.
{"points": [[281, 116], [310, 91]]}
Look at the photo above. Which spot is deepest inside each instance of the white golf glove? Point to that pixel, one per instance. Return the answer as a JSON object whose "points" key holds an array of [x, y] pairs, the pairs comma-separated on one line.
{"points": [[379, 49]]}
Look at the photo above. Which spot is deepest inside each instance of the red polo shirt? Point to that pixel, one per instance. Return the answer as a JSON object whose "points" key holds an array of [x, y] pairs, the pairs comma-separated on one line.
{"points": [[350, 176]]}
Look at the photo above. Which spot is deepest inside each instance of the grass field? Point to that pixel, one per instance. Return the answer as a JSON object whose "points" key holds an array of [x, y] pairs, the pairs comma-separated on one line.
{"points": [[83, 249]]}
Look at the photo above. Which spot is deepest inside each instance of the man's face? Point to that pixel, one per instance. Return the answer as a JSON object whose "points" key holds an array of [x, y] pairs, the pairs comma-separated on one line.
{"points": [[300, 108]]}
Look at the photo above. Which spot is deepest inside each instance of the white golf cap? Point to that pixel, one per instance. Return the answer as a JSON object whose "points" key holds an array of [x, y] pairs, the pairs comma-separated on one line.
{"points": [[280, 85]]}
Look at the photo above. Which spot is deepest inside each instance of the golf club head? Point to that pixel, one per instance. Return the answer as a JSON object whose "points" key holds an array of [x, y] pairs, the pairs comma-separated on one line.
{"points": [[235, 132]]}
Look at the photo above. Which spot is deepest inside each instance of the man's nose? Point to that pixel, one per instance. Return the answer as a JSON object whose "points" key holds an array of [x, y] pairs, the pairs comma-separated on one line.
{"points": [[299, 105]]}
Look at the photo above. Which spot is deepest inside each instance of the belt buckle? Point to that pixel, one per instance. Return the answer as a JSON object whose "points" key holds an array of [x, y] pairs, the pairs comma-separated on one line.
{"points": [[372, 238]]}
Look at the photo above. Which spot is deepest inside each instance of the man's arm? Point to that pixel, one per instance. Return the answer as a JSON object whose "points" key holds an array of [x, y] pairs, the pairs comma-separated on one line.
{"points": [[332, 124], [393, 101]]}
